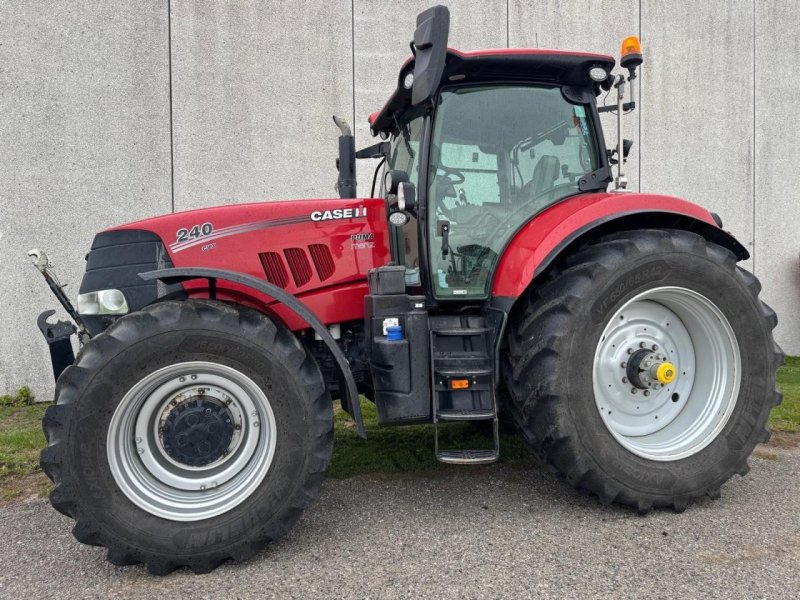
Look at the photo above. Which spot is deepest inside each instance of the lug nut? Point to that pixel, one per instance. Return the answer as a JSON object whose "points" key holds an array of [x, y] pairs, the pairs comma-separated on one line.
{"points": [[647, 392], [642, 344], [182, 379], [138, 440], [655, 347], [633, 390], [237, 427], [630, 350], [624, 380], [140, 450], [255, 423], [647, 363], [624, 365]]}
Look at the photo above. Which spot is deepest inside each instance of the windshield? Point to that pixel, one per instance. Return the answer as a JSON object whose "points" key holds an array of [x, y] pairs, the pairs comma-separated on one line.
{"points": [[499, 154]]}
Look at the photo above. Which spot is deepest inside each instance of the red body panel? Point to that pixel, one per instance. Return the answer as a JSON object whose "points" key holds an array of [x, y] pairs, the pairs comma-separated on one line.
{"points": [[241, 232], [358, 243], [543, 234]]}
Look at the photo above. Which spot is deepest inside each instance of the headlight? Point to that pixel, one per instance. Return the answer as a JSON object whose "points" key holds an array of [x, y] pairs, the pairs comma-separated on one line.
{"points": [[102, 302]]}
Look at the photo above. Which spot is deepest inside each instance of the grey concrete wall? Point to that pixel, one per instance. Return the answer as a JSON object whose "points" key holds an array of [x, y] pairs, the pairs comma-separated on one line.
{"points": [[777, 156], [255, 85], [89, 137], [84, 145]]}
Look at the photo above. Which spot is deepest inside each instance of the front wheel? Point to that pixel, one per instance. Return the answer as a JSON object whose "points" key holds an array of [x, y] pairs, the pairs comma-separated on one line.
{"points": [[186, 434], [642, 368]]}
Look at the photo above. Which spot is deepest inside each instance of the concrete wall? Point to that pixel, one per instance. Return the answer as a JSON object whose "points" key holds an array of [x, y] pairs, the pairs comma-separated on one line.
{"points": [[114, 111]]}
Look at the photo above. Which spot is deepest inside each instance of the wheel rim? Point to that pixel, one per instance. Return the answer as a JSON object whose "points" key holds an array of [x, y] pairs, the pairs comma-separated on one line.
{"points": [[659, 330], [191, 441]]}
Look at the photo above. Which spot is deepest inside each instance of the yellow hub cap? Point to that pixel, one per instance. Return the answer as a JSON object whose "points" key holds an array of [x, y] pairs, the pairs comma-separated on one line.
{"points": [[665, 373]]}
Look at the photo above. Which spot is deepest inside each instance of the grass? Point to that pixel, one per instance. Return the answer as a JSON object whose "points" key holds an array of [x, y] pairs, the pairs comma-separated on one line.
{"points": [[386, 451], [786, 417], [408, 448], [21, 440]]}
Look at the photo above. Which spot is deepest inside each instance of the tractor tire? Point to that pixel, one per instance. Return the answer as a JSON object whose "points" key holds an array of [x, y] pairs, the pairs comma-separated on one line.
{"points": [[586, 368], [187, 434]]}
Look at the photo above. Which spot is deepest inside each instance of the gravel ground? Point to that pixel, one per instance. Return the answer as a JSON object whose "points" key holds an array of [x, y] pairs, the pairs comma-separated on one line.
{"points": [[470, 533]]}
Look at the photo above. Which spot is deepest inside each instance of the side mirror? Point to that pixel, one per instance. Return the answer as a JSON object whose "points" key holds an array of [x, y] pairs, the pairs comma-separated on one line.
{"points": [[406, 196], [430, 52], [626, 148]]}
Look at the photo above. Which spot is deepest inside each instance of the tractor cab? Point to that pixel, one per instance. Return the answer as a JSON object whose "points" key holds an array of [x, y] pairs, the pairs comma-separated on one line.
{"points": [[495, 154], [479, 142]]}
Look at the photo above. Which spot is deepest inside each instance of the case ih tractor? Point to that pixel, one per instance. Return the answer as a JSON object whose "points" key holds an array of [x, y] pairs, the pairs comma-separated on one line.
{"points": [[493, 278]]}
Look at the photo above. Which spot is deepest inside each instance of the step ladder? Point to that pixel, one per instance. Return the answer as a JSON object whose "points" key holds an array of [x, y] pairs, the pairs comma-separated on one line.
{"points": [[463, 383]]}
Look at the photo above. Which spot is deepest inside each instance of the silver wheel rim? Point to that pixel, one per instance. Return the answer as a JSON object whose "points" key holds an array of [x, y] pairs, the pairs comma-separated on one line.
{"points": [[147, 474], [667, 421]]}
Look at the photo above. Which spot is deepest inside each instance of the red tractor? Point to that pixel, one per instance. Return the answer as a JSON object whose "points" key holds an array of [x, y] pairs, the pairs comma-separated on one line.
{"points": [[492, 278]]}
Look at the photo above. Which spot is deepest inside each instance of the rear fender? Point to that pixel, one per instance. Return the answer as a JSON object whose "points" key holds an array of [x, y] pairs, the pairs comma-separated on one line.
{"points": [[563, 226]]}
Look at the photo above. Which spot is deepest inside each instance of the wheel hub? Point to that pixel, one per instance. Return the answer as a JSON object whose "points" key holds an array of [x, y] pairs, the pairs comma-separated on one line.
{"points": [[191, 440], [197, 431], [647, 369], [666, 373]]}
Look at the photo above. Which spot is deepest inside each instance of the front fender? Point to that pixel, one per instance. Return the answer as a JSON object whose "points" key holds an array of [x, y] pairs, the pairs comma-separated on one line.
{"points": [[293, 304], [539, 241]]}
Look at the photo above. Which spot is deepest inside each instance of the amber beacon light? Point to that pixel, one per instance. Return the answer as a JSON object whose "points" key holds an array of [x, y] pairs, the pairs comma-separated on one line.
{"points": [[631, 52]]}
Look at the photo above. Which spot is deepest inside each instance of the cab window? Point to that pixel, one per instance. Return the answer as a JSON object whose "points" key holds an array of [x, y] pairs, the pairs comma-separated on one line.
{"points": [[499, 155]]}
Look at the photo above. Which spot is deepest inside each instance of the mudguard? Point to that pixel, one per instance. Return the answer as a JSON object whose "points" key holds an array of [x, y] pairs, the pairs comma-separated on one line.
{"points": [[178, 275], [539, 241]]}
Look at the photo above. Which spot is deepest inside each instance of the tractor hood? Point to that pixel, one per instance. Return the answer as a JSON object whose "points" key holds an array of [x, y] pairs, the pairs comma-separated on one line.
{"points": [[300, 246]]}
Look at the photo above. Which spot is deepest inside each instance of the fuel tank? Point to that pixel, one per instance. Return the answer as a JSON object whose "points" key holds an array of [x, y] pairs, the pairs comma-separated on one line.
{"points": [[318, 250]]}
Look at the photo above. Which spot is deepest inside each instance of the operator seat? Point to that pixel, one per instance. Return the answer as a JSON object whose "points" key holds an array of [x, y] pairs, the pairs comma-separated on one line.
{"points": [[545, 174]]}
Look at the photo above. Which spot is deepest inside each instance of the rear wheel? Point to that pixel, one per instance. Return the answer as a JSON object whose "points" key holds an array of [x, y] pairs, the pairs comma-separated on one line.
{"points": [[642, 368], [186, 434]]}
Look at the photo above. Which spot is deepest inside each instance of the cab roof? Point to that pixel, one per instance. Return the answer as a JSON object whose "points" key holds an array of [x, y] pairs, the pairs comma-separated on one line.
{"points": [[534, 65]]}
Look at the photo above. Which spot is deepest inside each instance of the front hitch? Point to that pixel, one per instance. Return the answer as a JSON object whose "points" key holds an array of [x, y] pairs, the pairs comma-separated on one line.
{"points": [[58, 335]]}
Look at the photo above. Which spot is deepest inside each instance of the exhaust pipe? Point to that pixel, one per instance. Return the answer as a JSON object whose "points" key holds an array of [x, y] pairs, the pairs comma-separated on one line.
{"points": [[346, 163]]}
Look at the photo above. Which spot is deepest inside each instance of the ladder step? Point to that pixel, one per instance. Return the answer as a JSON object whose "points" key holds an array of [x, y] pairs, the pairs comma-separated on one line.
{"points": [[468, 457], [465, 415], [460, 331], [462, 372]]}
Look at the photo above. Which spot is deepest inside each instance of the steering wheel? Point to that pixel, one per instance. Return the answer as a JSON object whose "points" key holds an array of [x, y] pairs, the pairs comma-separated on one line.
{"points": [[453, 178], [459, 176]]}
